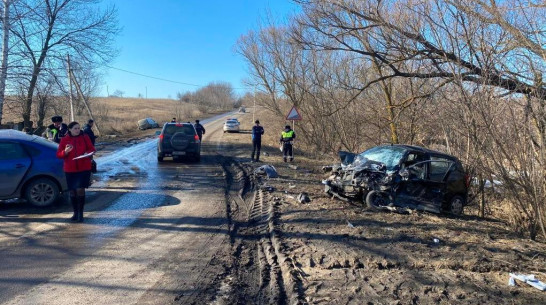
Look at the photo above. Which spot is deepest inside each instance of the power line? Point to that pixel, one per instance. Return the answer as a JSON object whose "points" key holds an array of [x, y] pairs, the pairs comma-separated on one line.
{"points": [[161, 79], [154, 77]]}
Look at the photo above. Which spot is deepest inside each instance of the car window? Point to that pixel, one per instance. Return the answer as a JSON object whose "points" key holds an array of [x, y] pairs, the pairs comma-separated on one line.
{"points": [[439, 168], [172, 129], [388, 155], [12, 151], [418, 170], [414, 157]]}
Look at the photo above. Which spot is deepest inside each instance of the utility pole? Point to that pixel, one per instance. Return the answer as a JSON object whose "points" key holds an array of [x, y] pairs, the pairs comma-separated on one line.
{"points": [[79, 90], [254, 108], [5, 53], [70, 88]]}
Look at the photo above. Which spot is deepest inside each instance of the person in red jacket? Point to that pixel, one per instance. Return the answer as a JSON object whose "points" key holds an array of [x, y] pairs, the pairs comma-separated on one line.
{"points": [[77, 170]]}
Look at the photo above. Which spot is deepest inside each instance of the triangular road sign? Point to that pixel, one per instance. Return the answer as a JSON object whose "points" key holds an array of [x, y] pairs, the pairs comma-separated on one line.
{"points": [[293, 115]]}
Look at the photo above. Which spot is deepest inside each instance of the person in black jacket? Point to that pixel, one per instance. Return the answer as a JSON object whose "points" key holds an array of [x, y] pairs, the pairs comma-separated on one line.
{"points": [[200, 129], [257, 132], [88, 130]]}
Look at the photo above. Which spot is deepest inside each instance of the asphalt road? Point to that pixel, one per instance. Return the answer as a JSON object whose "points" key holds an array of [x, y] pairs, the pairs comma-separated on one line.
{"points": [[154, 233]]}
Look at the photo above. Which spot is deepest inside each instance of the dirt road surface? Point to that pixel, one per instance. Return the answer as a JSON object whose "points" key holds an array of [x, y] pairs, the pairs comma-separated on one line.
{"points": [[213, 232], [154, 233]]}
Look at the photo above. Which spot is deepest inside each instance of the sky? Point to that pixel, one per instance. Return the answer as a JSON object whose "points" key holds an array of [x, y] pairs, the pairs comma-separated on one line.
{"points": [[184, 41]]}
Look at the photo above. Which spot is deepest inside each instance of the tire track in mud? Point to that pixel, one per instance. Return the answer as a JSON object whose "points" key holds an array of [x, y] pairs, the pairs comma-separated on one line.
{"points": [[259, 270]]}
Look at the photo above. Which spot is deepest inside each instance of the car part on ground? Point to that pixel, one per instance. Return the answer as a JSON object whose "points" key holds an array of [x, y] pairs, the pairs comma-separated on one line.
{"points": [[147, 123], [30, 169], [401, 176], [178, 140]]}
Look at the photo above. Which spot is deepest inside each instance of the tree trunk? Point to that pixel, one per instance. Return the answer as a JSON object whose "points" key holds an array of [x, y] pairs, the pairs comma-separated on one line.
{"points": [[27, 107], [5, 48], [482, 192]]}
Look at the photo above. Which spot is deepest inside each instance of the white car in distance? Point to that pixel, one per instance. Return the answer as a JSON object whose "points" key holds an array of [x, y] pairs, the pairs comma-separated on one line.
{"points": [[231, 125]]}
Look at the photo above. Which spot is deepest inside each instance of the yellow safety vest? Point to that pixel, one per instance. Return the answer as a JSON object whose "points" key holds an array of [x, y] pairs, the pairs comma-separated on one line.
{"points": [[287, 135]]}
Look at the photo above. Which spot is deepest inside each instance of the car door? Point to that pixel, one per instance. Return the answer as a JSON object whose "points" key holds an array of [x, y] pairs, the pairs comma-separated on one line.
{"points": [[415, 164], [14, 164]]}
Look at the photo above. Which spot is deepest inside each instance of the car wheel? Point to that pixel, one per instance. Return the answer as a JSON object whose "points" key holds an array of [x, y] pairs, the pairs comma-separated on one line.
{"points": [[456, 205], [197, 157], [375, 200], [42, 192]]}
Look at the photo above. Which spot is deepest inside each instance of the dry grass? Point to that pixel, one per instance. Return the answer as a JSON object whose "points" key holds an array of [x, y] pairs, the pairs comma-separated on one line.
{"points": [[113, 115], [120, 115]]}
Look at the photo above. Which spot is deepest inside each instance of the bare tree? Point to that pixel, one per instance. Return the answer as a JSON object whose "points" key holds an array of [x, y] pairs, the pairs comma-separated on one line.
{"points": [[53, 28], [117, 93]]}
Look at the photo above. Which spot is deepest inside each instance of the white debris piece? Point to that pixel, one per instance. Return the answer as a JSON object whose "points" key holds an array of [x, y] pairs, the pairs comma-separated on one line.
{"points": [[527, 278]]}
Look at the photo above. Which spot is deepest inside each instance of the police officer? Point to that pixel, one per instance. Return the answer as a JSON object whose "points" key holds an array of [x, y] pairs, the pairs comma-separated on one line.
{"points": [[287, 141], [200, 129], [257, 132], [57, 130]]}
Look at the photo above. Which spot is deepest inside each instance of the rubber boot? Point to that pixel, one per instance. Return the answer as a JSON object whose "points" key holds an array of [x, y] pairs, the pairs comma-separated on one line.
{"points": [[74, 207], [81, 203]]}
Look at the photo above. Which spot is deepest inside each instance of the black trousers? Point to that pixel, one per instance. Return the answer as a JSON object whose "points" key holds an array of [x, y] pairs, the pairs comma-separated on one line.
{"points": [[256, 146], [287, 151]]}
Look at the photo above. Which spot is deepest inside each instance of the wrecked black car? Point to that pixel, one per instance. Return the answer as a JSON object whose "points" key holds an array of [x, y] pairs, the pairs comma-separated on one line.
{"points": [[401, 176]]}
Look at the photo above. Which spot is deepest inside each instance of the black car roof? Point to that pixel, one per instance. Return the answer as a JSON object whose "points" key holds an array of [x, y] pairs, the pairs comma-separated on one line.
{"points": [[179, 123]]}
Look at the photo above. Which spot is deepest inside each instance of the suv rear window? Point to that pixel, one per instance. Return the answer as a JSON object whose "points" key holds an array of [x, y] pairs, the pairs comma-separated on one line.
{"points": [[174, 128]]}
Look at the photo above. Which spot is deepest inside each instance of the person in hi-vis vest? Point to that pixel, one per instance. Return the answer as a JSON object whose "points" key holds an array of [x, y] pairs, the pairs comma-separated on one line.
{"points": [[287, 142]]}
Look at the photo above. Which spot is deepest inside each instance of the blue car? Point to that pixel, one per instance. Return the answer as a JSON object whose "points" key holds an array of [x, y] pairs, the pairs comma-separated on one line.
{"points": [[30, 169]]}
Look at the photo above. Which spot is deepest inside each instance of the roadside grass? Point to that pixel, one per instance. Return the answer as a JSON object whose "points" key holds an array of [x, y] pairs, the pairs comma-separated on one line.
{"points": [[120, 115]]}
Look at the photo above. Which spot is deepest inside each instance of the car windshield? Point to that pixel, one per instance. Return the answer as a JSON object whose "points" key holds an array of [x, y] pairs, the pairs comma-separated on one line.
{"points": [[388, 155], [231, 121]]}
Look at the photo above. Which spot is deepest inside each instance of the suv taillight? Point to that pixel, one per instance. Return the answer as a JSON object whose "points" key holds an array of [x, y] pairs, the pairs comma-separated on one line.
{"points": [[467, 180], [161, 137], [196, 138]]}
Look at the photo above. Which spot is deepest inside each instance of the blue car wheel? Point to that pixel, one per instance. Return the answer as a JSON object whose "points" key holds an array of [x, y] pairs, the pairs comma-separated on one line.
{"points": [[42, 192]]}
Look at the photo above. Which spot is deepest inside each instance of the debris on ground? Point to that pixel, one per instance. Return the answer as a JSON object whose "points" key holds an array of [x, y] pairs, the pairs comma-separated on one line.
{"points": [[303, 198], [292, 166], [266, 170], [267, 188], [327, 168], [526, 278]]}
